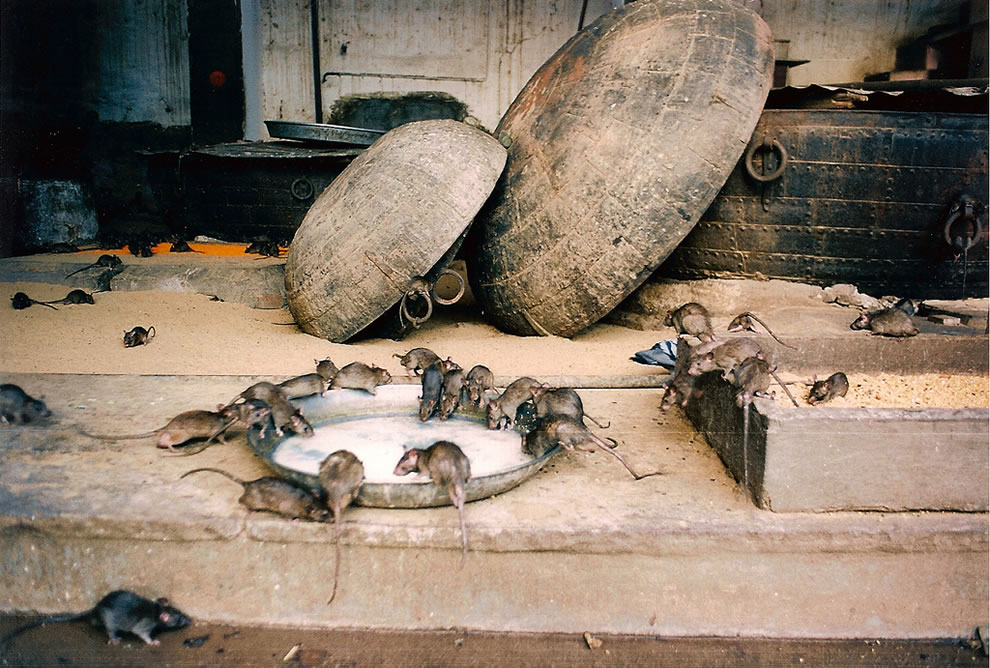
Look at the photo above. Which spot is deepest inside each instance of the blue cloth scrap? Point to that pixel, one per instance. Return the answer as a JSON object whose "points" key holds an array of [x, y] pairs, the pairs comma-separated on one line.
{"points": [[662, 354]]}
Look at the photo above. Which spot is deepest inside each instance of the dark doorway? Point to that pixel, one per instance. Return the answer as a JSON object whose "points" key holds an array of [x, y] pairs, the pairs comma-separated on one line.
{"points": [[216, 78]]}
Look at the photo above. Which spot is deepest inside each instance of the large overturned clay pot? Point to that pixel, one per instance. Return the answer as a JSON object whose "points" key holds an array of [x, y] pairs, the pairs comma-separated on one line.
{"points": [[619, 143], [392, 215]]}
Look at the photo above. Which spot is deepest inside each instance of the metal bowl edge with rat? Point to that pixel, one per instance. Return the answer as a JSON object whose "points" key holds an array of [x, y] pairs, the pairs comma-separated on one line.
{"points": [[339, 406]]}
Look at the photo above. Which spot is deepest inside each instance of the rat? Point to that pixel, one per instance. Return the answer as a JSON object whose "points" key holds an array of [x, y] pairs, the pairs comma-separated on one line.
{"points": [[449, 468], [274, 495], [681, 386], [283, 413], [752, 377], [326, 368], [502, 411], [479, 381], [341, 476], [453, 385], [183, 427], [432, 390], [886, 322], [140, 248], [138, 336], [560, 401], [417, 359], [76, 296], [120, 611], [570, 434], [180, 245], [744, 322], [18, 407], [360, 376], [251, 413], [105, 260], [834, 386], [265, 247], [21, 301], [305, 385], [691, 319], [725, 356]]}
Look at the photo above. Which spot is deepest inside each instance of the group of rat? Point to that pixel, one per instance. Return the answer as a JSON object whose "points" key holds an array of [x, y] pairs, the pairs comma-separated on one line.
{"points": [[742, 361], [546, 417], [112, 265]]}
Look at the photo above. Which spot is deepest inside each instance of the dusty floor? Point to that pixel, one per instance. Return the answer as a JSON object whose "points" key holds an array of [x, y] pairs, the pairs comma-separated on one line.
{"points": [[201, 645]]}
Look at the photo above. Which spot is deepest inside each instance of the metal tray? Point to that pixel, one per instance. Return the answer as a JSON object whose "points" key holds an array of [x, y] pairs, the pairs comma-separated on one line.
{"points": [[322, 132], [390, 400]]}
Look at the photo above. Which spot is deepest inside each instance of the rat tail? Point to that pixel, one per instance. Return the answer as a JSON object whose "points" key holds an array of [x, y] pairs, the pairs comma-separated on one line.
{"points": [[123, 437], [50, 619], [457, 498], [210, 468], [336, 542]]}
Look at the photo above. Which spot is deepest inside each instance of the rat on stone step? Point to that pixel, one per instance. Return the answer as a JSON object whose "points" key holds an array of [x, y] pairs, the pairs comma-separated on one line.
{"points": [[691, 319], [448, 468], [753, 377], [76, 296], [18, 407], [183, 427], [834, 386], [105, 260], [886, 322], [341, 476], [274, 495], [723, 356], [744, 322], [119, 612], [570, 434]]}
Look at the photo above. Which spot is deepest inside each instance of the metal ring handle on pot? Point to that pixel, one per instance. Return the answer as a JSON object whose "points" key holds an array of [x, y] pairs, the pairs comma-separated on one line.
{"points": [[302, 189], [453, 300], [404, 309], [953, 217], [768, 145]]}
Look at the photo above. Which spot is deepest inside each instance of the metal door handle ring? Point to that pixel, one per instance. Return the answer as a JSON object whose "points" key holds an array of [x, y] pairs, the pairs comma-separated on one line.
{"points": [[772, 145]]}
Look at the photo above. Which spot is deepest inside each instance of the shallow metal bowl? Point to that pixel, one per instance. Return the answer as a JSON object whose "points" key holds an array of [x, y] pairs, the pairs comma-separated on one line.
{"points": [[390, 400]]}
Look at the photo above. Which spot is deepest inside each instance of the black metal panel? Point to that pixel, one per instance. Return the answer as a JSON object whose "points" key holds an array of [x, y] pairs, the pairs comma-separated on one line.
{"points": [[862, 200]]}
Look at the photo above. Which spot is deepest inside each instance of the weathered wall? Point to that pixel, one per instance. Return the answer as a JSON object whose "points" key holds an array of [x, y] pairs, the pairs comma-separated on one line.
{"points": [[480, 52], [847, 39]]}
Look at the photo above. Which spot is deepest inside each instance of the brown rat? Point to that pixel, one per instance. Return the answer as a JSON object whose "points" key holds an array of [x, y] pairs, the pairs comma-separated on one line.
{"points": [[183, 427], [119, 612], [501, 412], [305, 385], [138, 336], [744, 322], [681, 386], [570, 434], [21, 301], [326, 368], [105, 260], [76, 296], [834, 386], [249, 414], [752, 376], [432, 390], [284, 415], [479, 381], [274, 495], [341, 476], [18, 407], [560, 401], [886, 322], [360, 376], [691, 319], [416, 360], [453, 386], [449, 468], [723, 356]]}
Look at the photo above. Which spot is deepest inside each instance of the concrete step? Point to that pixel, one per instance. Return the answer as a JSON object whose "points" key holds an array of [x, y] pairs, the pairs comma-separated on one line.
{"points": [[578, 547]]}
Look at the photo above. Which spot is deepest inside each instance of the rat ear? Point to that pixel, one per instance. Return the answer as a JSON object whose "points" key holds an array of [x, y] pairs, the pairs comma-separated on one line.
{"points": [[162, 601]]}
